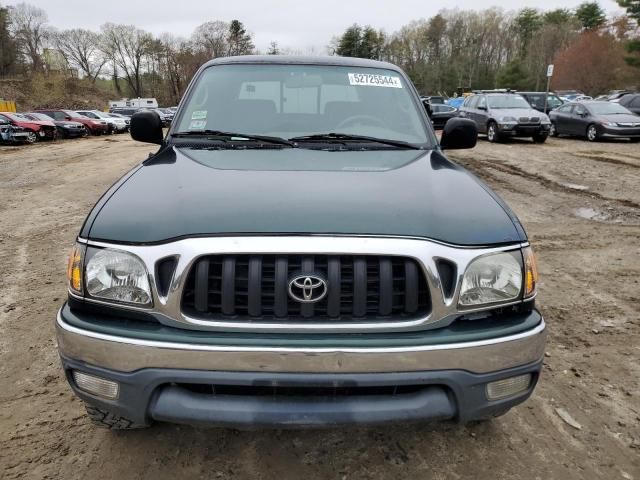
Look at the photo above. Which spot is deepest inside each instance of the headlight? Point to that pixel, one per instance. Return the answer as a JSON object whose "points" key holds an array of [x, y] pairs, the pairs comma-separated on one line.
{"points": [[609, 124], [495, 278], [118, 276], [508, 120]]}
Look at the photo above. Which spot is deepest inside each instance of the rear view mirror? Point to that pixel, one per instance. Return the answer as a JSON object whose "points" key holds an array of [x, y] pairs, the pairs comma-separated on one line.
{"points": [[303, 81], [146, 126], [459, 134]]}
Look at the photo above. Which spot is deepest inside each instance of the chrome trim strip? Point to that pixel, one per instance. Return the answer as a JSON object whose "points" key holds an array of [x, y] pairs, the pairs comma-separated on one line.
{"points": [[426, 253], [127, 355]]}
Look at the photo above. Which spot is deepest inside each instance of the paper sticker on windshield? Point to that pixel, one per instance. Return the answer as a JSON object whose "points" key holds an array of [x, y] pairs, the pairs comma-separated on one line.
{"points": [[199, 115], [198, 125], [374, 80]]}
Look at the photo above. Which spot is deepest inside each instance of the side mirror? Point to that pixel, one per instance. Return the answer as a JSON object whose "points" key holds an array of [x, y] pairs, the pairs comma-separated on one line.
{"points": [[458, 134], [146, 127], [67, 117], [482, 107]]}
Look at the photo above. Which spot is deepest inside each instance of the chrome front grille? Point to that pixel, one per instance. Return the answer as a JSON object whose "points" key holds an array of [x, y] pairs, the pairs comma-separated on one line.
{"points": [[529, 120], [170, 266], [256, 288]]}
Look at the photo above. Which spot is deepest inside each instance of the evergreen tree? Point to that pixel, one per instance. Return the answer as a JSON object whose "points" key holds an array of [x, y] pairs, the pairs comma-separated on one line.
{"points": [[361, 42], [239, 41], [632, 7], [349, 43], [633, 45], [8, 51], [273, 49], [591, 15]]}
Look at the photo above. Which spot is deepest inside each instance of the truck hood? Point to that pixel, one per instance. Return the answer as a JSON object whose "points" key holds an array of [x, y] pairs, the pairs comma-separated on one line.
{"points": [[183, 192]]}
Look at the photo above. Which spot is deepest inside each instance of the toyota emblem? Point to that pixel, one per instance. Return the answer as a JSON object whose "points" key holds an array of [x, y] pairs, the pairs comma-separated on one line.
{"points": [[307, 288]]}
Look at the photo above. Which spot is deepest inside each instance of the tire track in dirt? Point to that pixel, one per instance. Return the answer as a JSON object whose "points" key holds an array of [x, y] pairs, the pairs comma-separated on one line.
{"points": [[510, 169], [606, 158]]}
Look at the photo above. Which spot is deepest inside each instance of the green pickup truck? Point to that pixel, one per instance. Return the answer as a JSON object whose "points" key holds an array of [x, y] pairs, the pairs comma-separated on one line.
{"points": [[300, 252]]}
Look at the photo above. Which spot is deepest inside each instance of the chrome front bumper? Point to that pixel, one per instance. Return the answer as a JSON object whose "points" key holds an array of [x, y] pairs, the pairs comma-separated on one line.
{"points": [[129, 355]]}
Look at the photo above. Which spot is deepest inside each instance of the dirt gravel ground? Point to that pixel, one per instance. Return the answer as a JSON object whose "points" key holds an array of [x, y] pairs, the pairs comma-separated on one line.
{"points": [[581, 206]]}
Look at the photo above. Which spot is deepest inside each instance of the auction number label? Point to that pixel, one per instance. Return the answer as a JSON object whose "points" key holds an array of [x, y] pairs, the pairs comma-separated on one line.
{"points": [[374, 80]]}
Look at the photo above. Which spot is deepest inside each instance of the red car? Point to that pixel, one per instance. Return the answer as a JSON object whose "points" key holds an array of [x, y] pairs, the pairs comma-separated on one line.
{"points": [[38, 129], [94, 127]]}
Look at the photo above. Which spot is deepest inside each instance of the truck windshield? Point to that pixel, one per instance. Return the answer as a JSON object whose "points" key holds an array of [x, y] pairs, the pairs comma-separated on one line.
{"points": [[507, 101], [292, 101]]}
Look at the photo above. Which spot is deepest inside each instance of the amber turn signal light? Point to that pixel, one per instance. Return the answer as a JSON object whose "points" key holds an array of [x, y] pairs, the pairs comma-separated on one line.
{"points": [[530, 272], [74, 270]]}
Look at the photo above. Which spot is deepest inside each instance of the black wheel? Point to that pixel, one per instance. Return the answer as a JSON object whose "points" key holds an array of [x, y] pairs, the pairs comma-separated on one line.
{"points": [[592, 133], [32, 137], [552, 130], [539, 138], [104, 419], [634, 140], [87, 132], [492, 132]]}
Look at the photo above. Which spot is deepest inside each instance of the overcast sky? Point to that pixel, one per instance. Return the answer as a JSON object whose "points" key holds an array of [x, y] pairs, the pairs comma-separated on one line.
{"points": [[295, 24]]}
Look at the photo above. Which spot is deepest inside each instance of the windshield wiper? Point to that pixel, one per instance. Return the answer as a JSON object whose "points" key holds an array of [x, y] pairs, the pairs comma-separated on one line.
{"points": [[234, 136], [344, 136]]}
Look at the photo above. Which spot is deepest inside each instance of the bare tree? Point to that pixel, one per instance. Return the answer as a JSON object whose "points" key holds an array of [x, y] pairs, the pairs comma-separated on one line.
{"points": [[30, 30], [128, 47], [81, 48], [211, 37]]}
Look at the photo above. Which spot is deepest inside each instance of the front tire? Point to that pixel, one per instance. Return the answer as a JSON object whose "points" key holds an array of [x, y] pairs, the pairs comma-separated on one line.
{"points": [[553, 131], [32, 137], [592, 133], [105, 419], [540, 138], [492, 132]]}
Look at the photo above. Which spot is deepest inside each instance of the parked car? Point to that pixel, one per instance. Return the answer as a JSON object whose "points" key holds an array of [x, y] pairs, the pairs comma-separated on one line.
{"points": [[435, 99], [504, 115], [126, 112], [456, 102], [631, 102], [617, 95], [441, 114], [537, 100], [127, 120], [115, 125], [11, 134], [93, 126], [165, 115], [36, 129], [568, 95], [582, 98], [317, 265], [66, 129], [595, 120]]}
